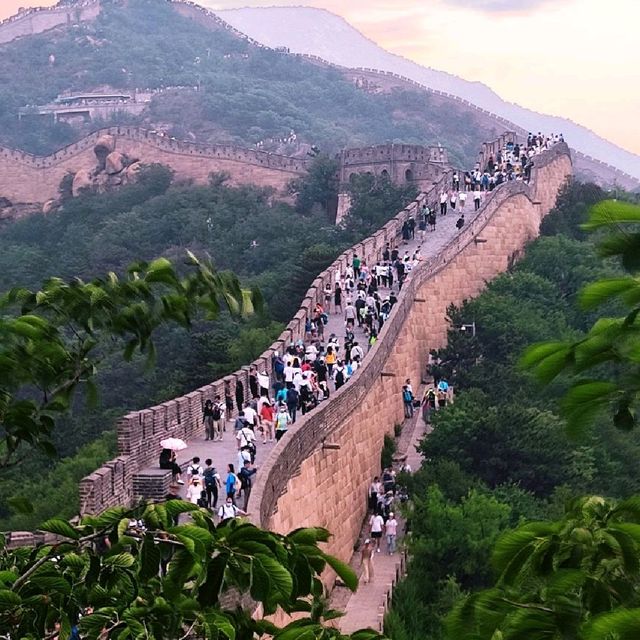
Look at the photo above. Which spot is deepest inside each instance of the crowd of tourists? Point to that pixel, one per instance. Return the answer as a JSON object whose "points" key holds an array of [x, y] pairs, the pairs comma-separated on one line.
{"points": [[357, 303]]}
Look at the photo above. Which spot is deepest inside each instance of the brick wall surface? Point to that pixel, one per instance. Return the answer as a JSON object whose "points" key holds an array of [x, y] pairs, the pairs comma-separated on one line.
{"points": [[28, 178], [140, 432], [302, 484]]}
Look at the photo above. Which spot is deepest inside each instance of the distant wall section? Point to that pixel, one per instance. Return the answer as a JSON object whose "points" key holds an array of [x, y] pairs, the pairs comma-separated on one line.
{"points": [[28, 178], [38, 20]]}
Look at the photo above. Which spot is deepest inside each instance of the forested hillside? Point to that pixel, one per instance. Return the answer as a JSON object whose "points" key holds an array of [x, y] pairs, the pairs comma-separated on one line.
{"points": [[269, 245], [501, 454], [232, 91]]}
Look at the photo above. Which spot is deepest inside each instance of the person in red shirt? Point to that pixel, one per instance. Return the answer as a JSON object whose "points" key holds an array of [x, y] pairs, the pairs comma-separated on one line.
{"points": [[266, 413]]}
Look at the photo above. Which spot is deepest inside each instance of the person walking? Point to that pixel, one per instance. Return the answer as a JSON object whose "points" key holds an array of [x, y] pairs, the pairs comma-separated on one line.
{"points": [[230, 510], [211, 484], [230, 483], [477, 195], [376, 525], [283, 420], [245, 474], [443, 203], [407, 399], [366, 557], [391, 531], [266, 416]]}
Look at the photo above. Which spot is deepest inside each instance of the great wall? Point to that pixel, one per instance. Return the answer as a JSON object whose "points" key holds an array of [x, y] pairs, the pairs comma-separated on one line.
{"points": [[28, 178], [354, 421], [299, 468]]}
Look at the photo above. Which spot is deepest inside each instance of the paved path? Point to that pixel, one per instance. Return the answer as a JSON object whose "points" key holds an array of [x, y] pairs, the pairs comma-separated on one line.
{"points": [[367, 606], [225, 452]]}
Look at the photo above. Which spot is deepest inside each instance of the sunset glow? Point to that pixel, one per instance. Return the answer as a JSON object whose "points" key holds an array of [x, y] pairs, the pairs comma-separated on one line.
{"points": [[571, 58]]}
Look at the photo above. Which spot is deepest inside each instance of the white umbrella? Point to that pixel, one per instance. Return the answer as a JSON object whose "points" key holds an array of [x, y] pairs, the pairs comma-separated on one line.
{"points": [[175, 444]]}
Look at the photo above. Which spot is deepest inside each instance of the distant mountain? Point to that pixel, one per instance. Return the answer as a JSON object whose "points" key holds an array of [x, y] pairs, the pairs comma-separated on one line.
{"points": [[324, 34]]}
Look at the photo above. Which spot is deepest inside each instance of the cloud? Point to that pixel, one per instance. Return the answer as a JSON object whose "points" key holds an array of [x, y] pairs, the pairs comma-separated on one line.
{"points": [[499, 6]]}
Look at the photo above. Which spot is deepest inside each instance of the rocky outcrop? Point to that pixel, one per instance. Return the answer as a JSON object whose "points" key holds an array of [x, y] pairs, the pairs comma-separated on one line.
{"points": [[115, 163], [112, 170], [82, 181]]}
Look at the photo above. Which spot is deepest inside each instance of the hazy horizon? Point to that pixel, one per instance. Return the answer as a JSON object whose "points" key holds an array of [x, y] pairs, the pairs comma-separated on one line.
{"points": [[565, 57]]}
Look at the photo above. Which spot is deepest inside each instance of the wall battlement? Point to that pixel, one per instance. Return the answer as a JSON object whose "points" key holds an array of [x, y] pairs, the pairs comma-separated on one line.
{"points": [[38, 20], [28, 178], [140, 432]]}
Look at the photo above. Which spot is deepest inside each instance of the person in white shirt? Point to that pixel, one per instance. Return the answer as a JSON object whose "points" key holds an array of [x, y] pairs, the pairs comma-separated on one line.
{"points": [[443, 203], [250, 415], [462, 198], [229, 510], [391, 531], [195, 469], [376, 523], [194, 490]]}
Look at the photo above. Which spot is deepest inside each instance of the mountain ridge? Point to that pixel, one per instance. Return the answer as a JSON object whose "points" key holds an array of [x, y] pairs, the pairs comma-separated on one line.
{"points": [[306, 30]]}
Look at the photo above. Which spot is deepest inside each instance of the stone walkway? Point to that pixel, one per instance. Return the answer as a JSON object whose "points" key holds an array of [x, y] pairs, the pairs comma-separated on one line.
{"points": [[225, 452], [366, 607]]}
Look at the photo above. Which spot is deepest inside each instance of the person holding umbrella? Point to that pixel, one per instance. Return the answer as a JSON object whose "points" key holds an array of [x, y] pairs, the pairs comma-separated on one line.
{"points": [[168, 457]]}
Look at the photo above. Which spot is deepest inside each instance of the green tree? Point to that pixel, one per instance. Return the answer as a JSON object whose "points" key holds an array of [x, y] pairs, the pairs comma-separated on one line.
{"points": [[604, 363], [374, 200], [576, 578], [51, 340], [136, 574], [318, 187]]}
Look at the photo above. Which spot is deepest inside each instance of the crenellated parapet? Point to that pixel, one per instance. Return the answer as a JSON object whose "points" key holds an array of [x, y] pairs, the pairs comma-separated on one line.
{"points": [[302, 483], [369, 405]]}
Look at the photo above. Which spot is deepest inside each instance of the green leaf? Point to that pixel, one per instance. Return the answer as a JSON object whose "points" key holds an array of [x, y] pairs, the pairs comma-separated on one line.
{"points": [[120, 560], [623, 624], [60, 527], [150, 557], [9, 599], [344, 571], [280, 578], [597, 293], [309, 535]]}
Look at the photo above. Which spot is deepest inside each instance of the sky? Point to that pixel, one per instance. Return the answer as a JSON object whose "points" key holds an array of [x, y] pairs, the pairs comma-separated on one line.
{"points": [[573, 58]]}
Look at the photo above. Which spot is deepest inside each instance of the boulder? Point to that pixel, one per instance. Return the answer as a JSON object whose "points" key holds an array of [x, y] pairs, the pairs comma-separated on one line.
{"points": [[130, 174], [81, 182], [49, 206], [114, 163], [5, 202], [104, 146]]}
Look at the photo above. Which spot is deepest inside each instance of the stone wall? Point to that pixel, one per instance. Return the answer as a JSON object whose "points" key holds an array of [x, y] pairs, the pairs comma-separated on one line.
{"points": [[33, 21], [140, 432], [28, 178], [303, 484]]}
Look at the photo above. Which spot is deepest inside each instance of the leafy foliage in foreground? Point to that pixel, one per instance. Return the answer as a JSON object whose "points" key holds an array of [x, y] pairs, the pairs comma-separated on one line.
{"points": [[136, 574], [50, 339], [605, 363], [573, 578], [504, 439]]}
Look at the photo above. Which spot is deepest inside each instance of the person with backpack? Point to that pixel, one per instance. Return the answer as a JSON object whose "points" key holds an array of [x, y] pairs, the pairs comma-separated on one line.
{"points": [[194, 469], [282, 422], [211, 484], [293, 399], [230, 483], [340, 375], [246, 445], [245, 474], [407, 399]]}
